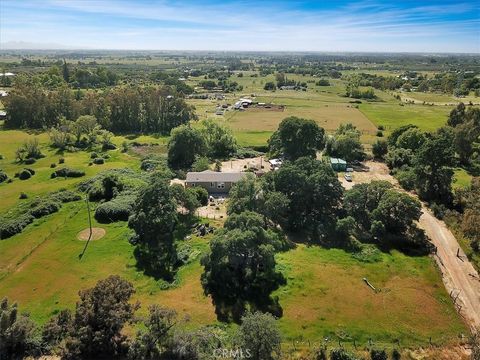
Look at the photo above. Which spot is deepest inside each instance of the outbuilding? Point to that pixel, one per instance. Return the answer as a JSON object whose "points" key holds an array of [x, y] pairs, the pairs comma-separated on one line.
{"points": [[338, 164]]}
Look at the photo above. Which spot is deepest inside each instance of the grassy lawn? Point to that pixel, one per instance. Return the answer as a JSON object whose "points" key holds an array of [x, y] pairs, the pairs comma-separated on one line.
{"points": [[461, 178], [41, 183], [326, 297], [40, 267], [391, 115]]}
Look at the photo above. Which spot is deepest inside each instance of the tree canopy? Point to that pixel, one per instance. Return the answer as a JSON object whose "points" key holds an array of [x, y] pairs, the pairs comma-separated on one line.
{"points": [[297, 137]]}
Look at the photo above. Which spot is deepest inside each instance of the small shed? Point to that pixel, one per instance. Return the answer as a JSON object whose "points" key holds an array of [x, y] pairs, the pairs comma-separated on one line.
{"points": [[338, 164]]}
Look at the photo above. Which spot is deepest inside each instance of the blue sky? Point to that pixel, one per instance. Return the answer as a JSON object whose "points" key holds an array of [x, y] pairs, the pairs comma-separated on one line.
{"points": [[370, 25]]}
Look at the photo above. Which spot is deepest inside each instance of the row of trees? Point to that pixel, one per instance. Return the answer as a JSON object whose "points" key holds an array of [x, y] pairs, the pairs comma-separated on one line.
{"points": [[95, 330], [119, 109], [425, 161], [297, 137]]}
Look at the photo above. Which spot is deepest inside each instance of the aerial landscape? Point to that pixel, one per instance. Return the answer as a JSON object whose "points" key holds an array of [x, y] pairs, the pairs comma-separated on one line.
{"points": [[239, 180]]}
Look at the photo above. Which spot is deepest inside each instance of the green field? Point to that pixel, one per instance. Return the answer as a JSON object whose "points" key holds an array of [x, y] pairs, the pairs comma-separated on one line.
{"points": [[324, 296], [391, 115]]}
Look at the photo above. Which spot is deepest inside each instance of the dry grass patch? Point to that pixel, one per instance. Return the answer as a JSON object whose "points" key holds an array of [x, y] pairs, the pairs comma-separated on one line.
{"points": [[97, 234]]}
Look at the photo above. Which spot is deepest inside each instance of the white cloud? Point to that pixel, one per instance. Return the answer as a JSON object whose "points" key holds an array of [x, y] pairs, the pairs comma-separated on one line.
{"points": [[245, 25]]}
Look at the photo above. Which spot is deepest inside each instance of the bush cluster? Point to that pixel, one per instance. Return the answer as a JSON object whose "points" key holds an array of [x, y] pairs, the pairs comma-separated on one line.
{"points": [[11, 227], [67, 172], [3, 176], [118, 209], [99, 161], [25, 174], [23, 214], [44, 208]]}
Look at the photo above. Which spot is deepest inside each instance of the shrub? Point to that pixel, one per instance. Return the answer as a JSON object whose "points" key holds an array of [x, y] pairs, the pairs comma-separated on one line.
{"points": [[44, 207], [11, 227], [3, 176], [53, 165], [93, 155], [24, 174], [118, 209], [29, 149], [201, 163], [99, 161], [31, 171], [1, 157], [61, 160], [341, 354], [396, 355], [108, 146], [67, 172], [151, 163], [30, 161], [378, 355], [181, 174], [439, 210], [379, 133], [201, 194], [380, 149], [381, 127], [23, 196], [65, 196], [406, 178]]}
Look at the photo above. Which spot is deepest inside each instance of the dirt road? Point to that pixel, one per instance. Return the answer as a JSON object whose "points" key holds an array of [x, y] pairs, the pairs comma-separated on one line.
{"points": [[459, 276]]}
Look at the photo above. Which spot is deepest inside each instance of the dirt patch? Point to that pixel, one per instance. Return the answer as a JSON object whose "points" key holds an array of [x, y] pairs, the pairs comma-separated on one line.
{"points": [[236, 165], [97, 234]]}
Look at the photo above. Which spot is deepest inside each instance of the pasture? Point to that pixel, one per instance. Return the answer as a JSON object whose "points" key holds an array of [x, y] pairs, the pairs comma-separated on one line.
{"points": [[325, 296], [392, 115]]}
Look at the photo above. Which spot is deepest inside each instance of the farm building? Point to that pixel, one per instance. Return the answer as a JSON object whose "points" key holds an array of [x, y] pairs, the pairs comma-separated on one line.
{"points": [[338, 164], [212, 181]]}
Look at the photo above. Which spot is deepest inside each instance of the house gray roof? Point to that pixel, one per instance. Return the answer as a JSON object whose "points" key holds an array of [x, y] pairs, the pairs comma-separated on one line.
{"points": [[213, 176]]}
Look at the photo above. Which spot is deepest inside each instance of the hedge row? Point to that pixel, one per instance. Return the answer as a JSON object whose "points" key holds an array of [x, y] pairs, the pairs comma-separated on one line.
{"points": [[18, 218], [67, 172], [118, 209]]}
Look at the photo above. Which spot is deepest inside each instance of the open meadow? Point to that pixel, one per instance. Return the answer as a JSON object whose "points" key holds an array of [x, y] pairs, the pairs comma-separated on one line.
{"points": [[325, 295]]}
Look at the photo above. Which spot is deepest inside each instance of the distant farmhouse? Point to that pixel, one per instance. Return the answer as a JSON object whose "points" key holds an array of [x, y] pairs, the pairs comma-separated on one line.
{"points": [[212, 181]]}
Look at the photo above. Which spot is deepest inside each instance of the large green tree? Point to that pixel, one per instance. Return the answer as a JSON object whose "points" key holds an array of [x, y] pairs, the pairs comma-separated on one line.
{"points": [[154, 220], [346, 143], [314, 195], [99, 319], [432, 167], [260, 336], [219, 139], [185, 144], [240, 268], [298, 137]]}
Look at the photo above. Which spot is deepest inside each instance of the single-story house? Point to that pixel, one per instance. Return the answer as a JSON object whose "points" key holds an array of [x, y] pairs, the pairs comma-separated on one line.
{"points": [[212, 181], [338, 164]]}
